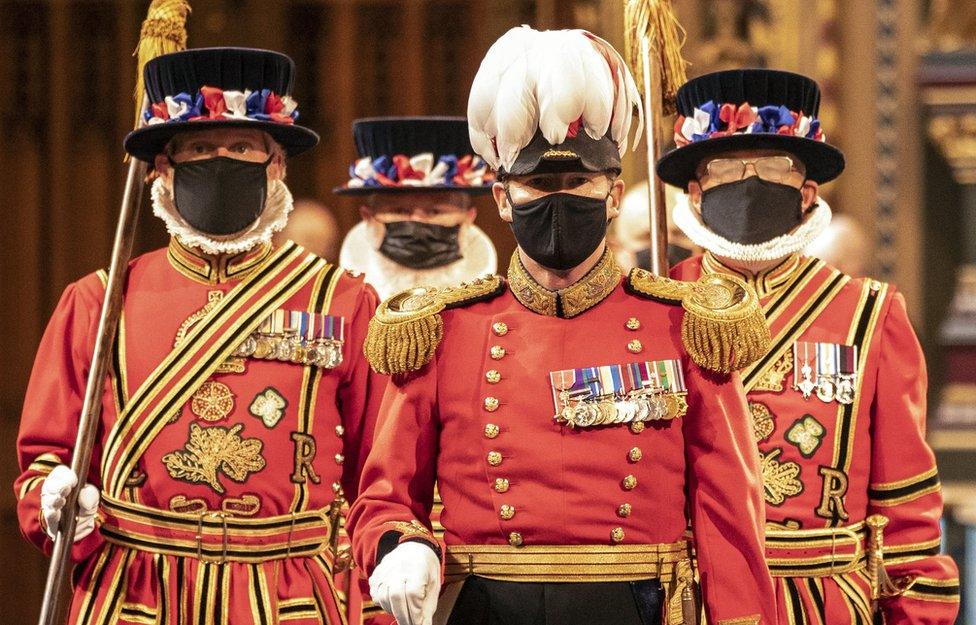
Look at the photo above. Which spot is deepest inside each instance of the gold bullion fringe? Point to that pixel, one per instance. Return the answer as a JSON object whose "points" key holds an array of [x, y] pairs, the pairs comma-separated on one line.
{"points": [[655, 19], [399, 347], [163, 31]]}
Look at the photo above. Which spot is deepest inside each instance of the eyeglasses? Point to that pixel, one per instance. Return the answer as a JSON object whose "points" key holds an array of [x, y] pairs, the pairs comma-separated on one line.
{"points": [[769, 168], [531, 188]]}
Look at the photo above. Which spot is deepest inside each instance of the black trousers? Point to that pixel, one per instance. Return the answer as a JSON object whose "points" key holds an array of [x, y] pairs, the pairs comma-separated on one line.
{"points": [[489, 602]]}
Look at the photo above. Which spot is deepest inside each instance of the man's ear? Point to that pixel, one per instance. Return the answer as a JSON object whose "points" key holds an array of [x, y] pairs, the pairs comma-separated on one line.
{"points": [[162, 166], [695, 195], [501, 199], [277, 168], [613, 199], [810, 191]]}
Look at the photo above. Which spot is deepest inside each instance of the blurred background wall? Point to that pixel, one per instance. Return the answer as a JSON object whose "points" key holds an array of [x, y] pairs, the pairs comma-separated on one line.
{"points": [[899, 80]]}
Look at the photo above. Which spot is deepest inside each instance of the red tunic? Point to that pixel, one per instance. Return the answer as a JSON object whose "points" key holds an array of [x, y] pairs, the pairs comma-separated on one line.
{"points": [[260, 439], [478, 419], [830, 464]]}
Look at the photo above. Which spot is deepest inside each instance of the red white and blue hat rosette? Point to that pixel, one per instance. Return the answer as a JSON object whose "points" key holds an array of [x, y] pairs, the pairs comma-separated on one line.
{"points": [[218, 88], [415, 154], [749, 109]]}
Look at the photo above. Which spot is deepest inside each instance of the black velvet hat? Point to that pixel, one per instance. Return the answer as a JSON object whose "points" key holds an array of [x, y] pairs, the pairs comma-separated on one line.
{"points": [[749, 109], [415, 154], [219, 88]]}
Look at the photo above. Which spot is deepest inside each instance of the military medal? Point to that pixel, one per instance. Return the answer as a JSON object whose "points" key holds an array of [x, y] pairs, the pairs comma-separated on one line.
{"points": [[805, 384], [827, 369], [614, 394], [298, 337]]}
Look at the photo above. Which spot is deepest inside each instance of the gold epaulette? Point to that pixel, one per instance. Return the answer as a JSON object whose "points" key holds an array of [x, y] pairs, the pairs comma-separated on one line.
{"points": [[407, 328], [723, 329]]}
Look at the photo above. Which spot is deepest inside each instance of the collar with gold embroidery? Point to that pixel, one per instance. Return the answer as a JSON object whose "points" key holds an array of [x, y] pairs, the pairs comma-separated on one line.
{"points": [[766, 282], [577, 298], [208, 269]]}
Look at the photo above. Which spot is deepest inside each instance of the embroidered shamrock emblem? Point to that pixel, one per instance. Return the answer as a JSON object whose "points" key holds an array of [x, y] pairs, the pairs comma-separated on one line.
{"points": [[806, 433], [779, 479], [269, 406]]}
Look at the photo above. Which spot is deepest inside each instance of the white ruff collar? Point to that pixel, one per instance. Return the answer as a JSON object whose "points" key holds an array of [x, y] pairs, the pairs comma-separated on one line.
{"points": [[272, 219], [690, 222], [359, 253]]}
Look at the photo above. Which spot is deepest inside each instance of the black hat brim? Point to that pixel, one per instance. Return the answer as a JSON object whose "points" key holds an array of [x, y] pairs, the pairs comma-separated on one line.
{"points": [[481, 190], [147, 142], [823, 161]]}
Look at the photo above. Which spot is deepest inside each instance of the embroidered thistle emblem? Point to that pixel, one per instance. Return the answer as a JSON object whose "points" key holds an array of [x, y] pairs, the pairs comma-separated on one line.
{"points": [[269, 406], [762, 420], [214, 450], [779, 479], [806, 433]]}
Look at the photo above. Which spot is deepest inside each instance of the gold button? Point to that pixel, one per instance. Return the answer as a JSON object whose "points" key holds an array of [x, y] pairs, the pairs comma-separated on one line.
{"points": [[493, 376], [497, 352], [635, 347], [494, 458], [617, 534], [629, 482], [339, 458], [501, 485], [500, 328], [506, 512], [637, 427], [491, 430], [635, 454], [491, 404], [339, 430], [633, 323], [623, 510], [515, 539]]}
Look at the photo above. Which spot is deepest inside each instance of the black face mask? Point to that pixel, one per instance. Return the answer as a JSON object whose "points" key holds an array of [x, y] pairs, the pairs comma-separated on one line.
{"points": [[420, 245], [220, 195], [559, 230], [752, 210]]}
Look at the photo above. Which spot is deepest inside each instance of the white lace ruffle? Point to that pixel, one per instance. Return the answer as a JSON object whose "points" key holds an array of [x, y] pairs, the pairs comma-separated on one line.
{"points": [[272, 219], [690, 222]]}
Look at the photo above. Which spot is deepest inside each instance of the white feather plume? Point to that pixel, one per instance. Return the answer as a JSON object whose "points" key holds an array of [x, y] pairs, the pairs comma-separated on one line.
{"points": [[531, 80]]}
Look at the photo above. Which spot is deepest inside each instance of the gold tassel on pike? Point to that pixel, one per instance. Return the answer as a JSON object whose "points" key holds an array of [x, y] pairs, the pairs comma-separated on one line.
{"points": [[655, 20], [163, 31]]}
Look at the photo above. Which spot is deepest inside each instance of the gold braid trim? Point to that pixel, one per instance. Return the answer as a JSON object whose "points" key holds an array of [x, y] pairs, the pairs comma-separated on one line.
{"points": [[407, 328], [723, 328], [745, 620]]}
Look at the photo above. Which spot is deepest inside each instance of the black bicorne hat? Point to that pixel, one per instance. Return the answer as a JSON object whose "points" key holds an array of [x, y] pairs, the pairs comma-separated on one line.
{"points": [[209, 88], [749, 109], [414, 154]]}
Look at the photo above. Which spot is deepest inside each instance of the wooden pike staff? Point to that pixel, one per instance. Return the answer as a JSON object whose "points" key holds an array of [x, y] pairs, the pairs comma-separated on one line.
{"points": [[163, 31], [652, 42]]}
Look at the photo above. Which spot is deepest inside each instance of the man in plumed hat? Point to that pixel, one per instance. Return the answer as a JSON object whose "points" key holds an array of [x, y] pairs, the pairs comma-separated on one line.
{"points": [[838, 404], [571, 430], [238, 408], [416, 178]]}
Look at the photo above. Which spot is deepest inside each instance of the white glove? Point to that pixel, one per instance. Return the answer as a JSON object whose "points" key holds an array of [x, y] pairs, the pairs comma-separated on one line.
{"points": [[407, 582], [55, 490]]}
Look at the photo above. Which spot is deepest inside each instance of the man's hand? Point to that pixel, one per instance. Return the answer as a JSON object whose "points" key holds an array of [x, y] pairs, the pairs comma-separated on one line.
{"points": [[54, 492], [407, 582]]}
